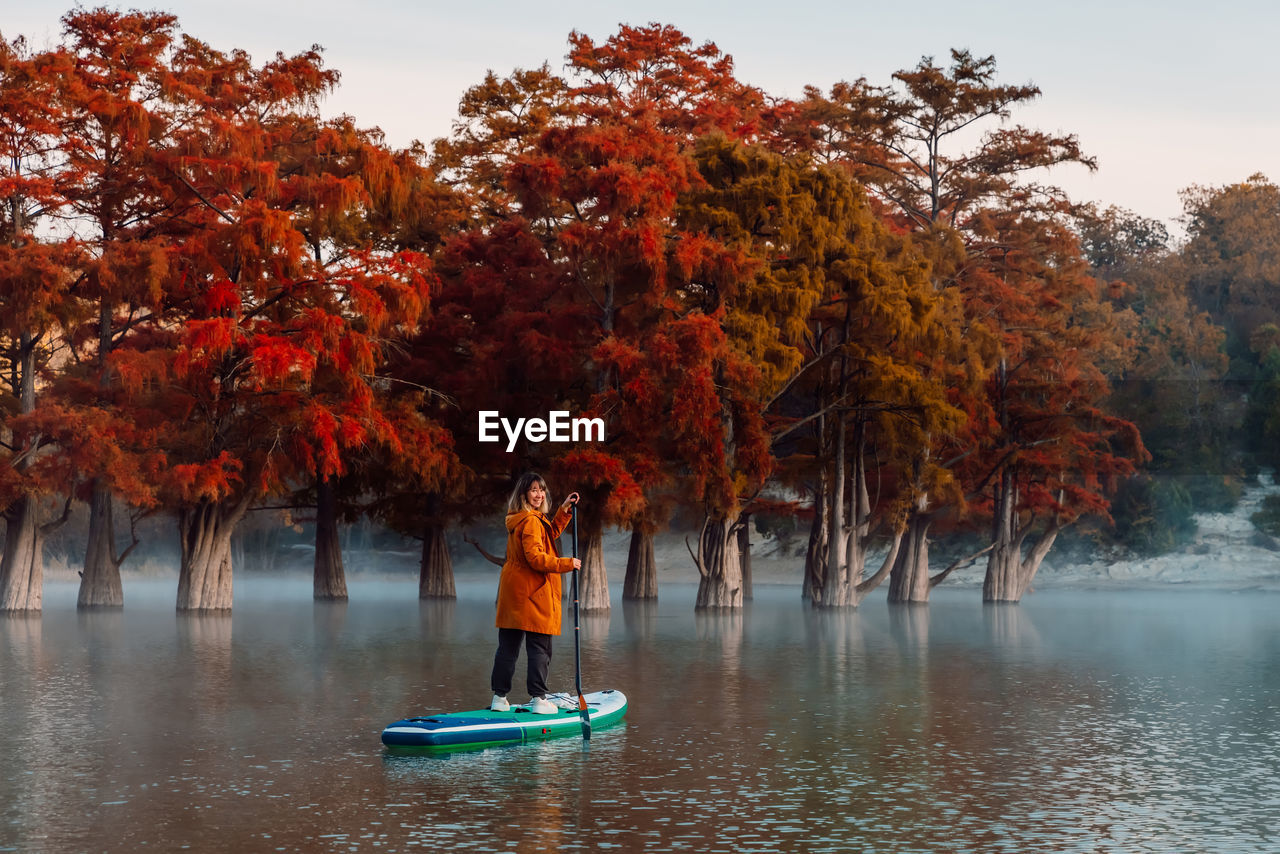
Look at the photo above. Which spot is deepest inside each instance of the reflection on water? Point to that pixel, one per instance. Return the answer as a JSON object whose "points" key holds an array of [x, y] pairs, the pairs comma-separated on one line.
{"points": [[1085, 721]]}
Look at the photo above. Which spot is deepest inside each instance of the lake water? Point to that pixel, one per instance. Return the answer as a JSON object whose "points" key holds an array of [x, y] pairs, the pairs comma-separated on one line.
{"points": [[1134, 720]]}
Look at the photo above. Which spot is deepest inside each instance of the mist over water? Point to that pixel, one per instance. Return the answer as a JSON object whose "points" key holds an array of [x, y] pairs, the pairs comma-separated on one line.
{"points": [[1124, 720]]}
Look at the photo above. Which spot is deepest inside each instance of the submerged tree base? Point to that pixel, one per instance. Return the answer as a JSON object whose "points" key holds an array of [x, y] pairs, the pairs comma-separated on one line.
{"points": [[909, 578], [719, 565], [22, 567], [1009, 574], [100, 585], [204, 579], [641, 580], [593, 581], [435, 580], [329, 575]]}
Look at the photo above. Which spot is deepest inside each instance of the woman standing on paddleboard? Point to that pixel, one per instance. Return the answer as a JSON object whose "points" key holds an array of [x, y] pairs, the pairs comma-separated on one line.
{"points": [[529, 591]]}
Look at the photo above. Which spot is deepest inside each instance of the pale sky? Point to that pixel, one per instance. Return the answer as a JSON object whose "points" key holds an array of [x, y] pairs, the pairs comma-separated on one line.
{"points": [[1165, 94]]}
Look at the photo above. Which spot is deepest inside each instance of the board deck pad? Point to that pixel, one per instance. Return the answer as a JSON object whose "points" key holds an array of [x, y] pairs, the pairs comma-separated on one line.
{"points": [[483, 728]]}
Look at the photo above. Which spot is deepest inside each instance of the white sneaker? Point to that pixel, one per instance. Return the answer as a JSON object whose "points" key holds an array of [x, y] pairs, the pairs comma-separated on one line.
{"points": [[499, 704], [564, 702], [541, 706]]}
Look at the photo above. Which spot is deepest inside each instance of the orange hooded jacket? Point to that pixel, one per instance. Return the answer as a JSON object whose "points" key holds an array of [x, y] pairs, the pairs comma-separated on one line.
{"points": [[529, 586]]}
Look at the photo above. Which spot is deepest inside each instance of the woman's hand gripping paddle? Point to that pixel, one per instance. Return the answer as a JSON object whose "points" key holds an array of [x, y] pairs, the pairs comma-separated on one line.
{"points": [[577, 654]]}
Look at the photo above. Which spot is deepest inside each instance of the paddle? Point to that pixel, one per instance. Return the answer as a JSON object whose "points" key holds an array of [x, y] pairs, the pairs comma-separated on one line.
{"points": [[577, 653]]}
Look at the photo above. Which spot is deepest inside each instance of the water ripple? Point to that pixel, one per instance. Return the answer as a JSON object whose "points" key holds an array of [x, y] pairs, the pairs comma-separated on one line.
{"points": [[1075, 723]]}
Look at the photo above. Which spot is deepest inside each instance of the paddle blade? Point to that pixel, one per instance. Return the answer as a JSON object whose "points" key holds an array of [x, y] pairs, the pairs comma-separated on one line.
{"points": [[586, 718]]}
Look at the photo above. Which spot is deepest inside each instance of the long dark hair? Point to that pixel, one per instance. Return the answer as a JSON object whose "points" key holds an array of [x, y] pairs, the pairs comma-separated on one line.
{"points": [[517, 502]]}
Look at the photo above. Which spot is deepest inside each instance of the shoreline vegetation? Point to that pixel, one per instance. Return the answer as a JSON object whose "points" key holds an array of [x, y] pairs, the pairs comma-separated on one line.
{"points": [[863, 321], [1223, 553]]}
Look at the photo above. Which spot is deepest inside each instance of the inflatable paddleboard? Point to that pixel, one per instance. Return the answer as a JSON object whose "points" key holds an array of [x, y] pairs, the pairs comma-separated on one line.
{"points": [[483, 728]]}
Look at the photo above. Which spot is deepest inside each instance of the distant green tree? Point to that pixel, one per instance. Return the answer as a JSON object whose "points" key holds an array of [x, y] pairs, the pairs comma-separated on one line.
{"points": [[1267, 519], [1231, 264], [1153, 515], [1171, 379], [1262, 424], [1233, 257]]}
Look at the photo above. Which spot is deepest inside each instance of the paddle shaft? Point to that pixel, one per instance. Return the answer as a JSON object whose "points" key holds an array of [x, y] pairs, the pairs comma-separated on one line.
{"points": [[577, 651]]}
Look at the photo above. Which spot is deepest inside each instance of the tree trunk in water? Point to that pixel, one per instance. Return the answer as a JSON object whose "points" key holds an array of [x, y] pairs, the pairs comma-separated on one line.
{"points": [[1001, 581], [846, 555], [815, 559], [909, 579], [1009, 574], [204, 579], [329, 576], [593, 580], [744, 554], [641, 580], [100, 582], [844, 584], [436, 578], [22, 568], [719, 565]]}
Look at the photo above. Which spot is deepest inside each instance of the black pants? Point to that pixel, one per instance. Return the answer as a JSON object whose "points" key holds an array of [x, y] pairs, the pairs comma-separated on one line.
{"points": [[537, 649]]}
